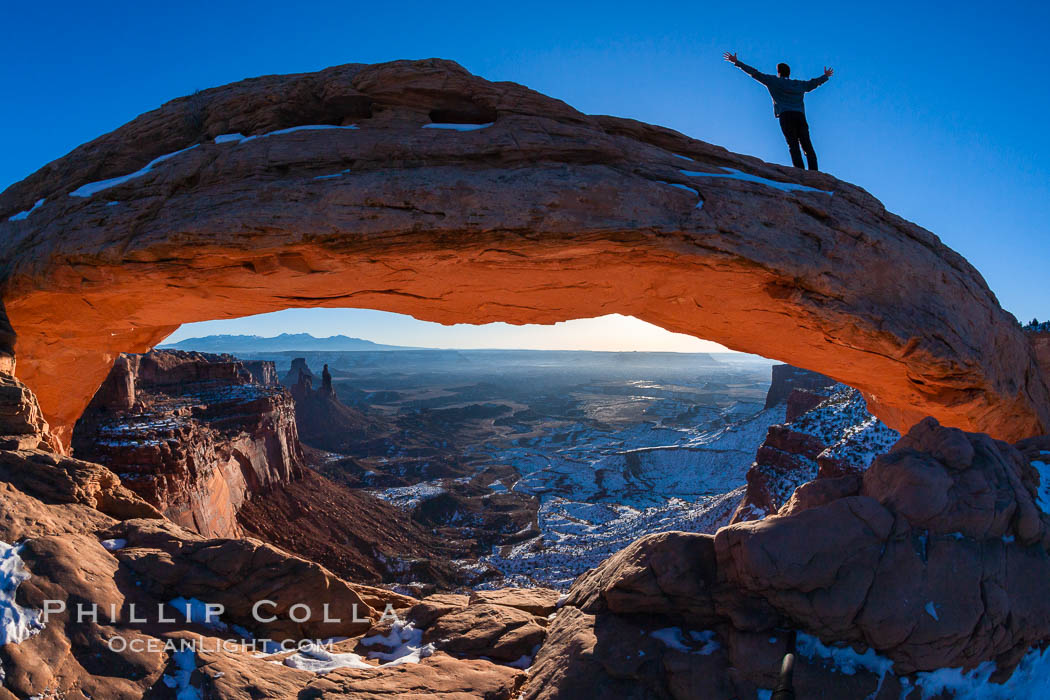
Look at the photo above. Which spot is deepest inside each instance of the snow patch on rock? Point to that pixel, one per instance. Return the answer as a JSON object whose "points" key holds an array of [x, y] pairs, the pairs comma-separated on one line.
{"points": [[95, 187], [1043, 495], [23, 215], [734, 174], [675, 639], [18, 623], [404, 639], [185, 664], [1031, 678], [844, 659], [241, 138], [458, 127]]}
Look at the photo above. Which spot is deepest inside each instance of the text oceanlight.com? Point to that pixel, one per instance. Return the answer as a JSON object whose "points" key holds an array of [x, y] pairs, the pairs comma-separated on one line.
{"points": [[119, 643], [209, 615]]}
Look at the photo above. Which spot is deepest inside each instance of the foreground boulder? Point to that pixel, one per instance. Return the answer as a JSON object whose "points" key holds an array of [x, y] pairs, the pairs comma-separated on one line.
{"points": [[537, 601], [492, 631], [935, 557], [440, 677], [237, 573], [418, 188], [135, 564]]}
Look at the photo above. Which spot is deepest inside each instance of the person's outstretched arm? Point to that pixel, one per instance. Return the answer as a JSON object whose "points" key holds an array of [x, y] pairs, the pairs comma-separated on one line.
{"points": [[817, 82], [753, 72]]}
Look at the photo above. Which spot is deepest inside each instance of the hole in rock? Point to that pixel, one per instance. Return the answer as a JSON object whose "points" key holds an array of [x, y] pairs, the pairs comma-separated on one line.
{"points": [[402, 452], [350, 107], [467, 113]]}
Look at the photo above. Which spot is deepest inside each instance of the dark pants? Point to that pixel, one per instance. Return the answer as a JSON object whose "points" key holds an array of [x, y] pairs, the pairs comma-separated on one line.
{"points": [[796, 131]]}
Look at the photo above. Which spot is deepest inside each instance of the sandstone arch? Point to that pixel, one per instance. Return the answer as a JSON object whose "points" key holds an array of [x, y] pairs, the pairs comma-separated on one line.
{"points": [[528, 211]]}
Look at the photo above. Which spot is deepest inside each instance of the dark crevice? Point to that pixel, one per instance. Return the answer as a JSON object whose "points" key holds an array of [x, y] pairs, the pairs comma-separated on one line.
{"points": [[463, 114]]}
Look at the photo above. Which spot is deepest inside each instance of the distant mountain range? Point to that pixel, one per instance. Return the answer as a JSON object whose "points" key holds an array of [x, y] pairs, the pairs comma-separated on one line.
{"points": [[256, 345], [284, 342]]}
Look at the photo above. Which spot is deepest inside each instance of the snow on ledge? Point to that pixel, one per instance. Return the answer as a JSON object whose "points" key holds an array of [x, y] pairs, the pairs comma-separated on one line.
{"points": [[23, 215], [1043, 495], [185, 664], [687, 188], [674, 638], [523, 662], [1031, 678], [115, 544], [17, 623], [844, 659], [457, 127], [95, 187], [409, 645], [332, 176], [734, 174], [404, 637], [319, 660], [241, 138]]}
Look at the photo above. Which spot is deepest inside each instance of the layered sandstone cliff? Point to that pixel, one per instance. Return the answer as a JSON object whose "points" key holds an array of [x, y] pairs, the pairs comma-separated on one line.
{"points": [[785, 379], [1039, 337], [213, 442], [828, 432], [196, 435]]}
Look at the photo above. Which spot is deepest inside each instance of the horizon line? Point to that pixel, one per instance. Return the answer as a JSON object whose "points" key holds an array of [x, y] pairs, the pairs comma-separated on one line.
{"points": [[170, 346]]}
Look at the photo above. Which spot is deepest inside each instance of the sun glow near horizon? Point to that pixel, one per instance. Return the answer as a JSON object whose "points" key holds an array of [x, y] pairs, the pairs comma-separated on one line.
{"points": [[613, 332]]}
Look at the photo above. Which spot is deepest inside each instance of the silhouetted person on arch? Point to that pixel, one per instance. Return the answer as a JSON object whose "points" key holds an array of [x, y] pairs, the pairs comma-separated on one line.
{"points": [[788, 105]]}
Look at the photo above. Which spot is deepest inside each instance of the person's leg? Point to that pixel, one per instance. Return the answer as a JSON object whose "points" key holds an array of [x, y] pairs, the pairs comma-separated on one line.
{"points": [[789, 126], [807, 145]]}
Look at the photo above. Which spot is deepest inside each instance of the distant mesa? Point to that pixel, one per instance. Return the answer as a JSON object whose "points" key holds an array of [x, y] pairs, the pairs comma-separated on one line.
{"points": [[281, 343], [322, 419], [786, 379], [299, 373]]}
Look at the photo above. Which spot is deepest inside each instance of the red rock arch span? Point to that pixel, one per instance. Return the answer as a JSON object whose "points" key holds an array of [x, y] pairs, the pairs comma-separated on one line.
{"points": [[455, 199]]}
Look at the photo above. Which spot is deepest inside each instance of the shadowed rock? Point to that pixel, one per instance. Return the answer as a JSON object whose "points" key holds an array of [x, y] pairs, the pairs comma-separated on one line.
{"points": [[537, 601], [935, 557], [491, 631]]}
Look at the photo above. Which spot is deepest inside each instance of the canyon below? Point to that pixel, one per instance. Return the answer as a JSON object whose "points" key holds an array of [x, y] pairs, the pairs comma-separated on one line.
{"points": [[873, 504]]}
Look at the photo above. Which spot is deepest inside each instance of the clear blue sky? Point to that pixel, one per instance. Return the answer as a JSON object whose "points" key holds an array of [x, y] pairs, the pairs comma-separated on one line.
{"points": [[939, 109]]}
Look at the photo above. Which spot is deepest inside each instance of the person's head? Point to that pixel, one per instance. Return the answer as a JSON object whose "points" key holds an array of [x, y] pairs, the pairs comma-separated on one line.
{"points": [[783, 70]]}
